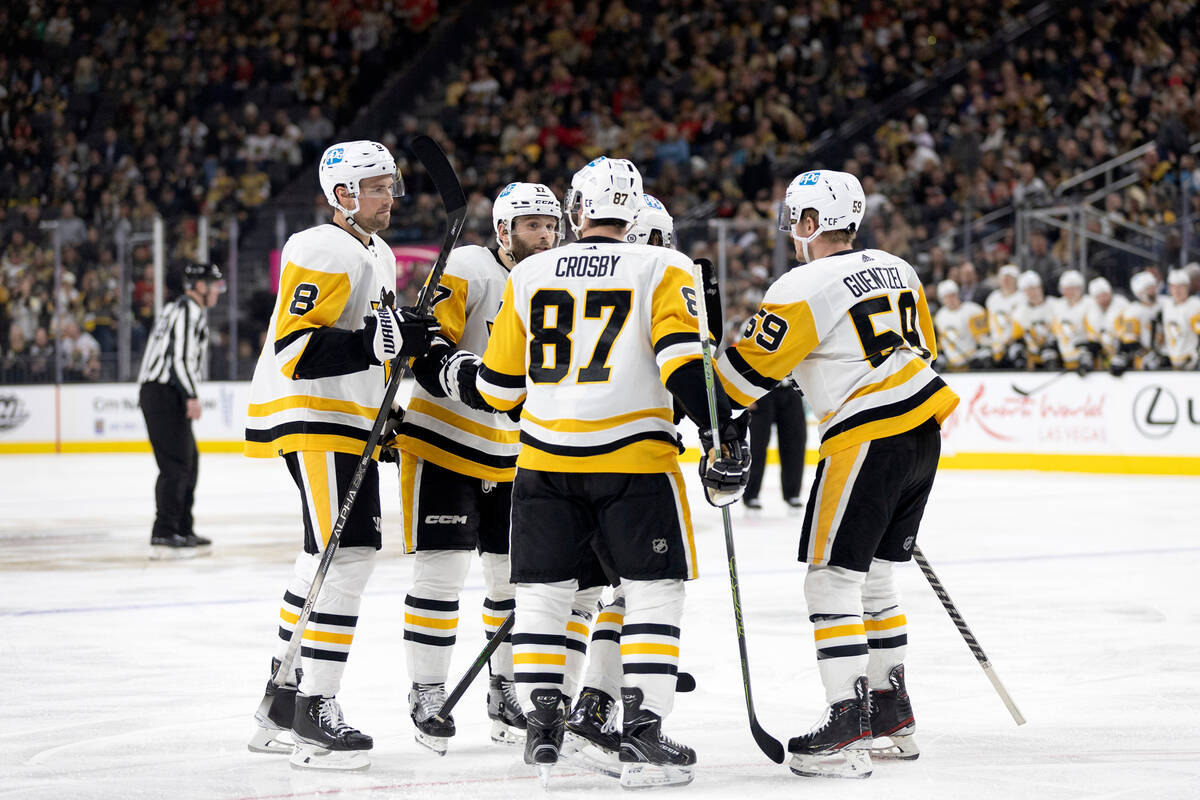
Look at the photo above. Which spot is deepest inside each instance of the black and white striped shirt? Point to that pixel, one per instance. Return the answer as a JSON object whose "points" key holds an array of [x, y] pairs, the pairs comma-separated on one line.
{"points": [[177, 346]]}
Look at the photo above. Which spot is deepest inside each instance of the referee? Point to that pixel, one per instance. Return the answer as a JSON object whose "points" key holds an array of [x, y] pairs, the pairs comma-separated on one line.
{"points": [[170, 380]]}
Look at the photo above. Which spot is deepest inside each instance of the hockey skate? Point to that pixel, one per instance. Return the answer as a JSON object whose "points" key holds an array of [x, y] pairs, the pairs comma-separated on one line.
{"points": [[508, 721], [178, 545], [323, 739], [544, 732], [273, 734], [592, 740], [425, 702], [648, 758], [839, 746], [892, 719]]}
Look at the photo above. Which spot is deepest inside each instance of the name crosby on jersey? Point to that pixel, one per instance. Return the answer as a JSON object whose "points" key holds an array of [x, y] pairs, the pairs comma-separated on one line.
{"points": [[872, 278], [586, 266]]}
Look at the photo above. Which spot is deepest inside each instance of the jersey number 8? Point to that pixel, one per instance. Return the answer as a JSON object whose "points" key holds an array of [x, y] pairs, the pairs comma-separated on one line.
{"points": [[304, 299]]}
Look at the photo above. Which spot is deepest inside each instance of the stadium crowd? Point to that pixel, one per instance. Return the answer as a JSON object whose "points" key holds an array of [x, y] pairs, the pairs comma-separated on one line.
{"points": [[112, 114], [718, 102]]}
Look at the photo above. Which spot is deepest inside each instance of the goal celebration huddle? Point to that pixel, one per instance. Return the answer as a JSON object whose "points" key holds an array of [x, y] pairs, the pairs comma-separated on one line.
{"points": [[552, 369]]}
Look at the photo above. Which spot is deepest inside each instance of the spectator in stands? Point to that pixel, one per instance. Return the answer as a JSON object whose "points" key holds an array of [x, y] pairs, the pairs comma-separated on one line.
{"points": [[80, 353]]}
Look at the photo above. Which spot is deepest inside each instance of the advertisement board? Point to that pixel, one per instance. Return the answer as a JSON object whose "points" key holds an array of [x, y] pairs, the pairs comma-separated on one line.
{"points": [[1141, 422]]}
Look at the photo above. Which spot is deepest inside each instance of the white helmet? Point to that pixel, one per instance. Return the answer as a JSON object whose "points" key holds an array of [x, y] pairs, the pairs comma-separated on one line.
{"points": [[1029, 280], [1099, 286], [945, 288], [652, 217], [837, 197], [1144, 286], [523, 200], [1178, 277], [607, 188], [347, 163], [1071, 277]]}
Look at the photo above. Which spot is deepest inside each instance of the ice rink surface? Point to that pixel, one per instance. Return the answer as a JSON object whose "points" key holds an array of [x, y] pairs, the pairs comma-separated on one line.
{"points": [[126, 678]]}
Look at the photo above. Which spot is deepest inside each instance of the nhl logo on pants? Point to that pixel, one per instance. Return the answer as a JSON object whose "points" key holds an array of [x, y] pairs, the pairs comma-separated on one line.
{"points": [[660, 545]]}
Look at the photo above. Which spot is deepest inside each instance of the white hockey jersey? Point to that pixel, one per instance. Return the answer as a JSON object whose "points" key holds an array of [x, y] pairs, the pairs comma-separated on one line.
{"points": [[1002, 309], [854, 331], [1106, 322], [961, 332], [1181, 331], [1034, 325], [315, 386], [1073, 328], [587, 336], [1140, 325], [446, 432]]}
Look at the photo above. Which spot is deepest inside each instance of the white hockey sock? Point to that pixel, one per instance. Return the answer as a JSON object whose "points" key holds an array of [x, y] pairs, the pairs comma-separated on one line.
{"points": [[497, 605], [604, 664], [539, 648], [650, 640], [326, 641], [834, 596], [431, 612], [887, 627], [579, 628]]}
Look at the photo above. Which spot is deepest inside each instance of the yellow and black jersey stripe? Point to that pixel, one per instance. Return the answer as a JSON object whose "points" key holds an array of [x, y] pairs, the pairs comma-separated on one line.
{"points": [[444, 431], [855, 332], [586, 337], [315, 386]]}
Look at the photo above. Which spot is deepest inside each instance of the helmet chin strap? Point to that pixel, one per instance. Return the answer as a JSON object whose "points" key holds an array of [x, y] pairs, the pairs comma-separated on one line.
{"points": [[804, 242], [349, 215]]}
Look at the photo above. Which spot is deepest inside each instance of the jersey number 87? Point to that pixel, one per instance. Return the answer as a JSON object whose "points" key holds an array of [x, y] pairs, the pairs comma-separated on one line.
{"points": [[556, 336]]}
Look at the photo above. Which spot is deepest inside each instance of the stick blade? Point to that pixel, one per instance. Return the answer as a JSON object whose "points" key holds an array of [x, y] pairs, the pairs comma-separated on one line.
{"points": [[771, 747], [441, 172]]}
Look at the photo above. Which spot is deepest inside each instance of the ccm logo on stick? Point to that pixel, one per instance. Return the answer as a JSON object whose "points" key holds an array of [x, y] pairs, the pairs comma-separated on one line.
{"points": [[446, 519]]}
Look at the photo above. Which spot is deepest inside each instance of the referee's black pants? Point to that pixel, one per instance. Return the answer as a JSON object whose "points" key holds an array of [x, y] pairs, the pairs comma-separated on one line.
{"points": [[782, 407], [165, 410]]}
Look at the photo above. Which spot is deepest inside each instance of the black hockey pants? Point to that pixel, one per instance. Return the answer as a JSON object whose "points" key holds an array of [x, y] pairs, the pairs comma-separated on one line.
{"points": [[165, 410]]}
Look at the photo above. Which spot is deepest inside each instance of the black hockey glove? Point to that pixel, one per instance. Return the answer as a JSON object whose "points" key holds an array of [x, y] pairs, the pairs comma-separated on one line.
{"points": [[457, 378], [389, 453], [1118, 365], [725, 473], [391, 332]]}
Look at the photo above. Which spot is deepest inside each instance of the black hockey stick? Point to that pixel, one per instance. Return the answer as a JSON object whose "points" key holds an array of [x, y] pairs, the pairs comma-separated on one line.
{"points": [[476, 667], [1042, 385], [771, 746], [455, 201], [969, 637]]}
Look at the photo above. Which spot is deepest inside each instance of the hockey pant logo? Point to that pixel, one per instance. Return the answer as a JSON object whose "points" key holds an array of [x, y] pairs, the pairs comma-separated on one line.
{"points": [[660, 545], [446, 519]]}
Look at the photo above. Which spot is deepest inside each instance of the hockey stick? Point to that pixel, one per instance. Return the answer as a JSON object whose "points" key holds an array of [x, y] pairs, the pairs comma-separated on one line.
{"points": [[1041, 386], [476, 666], [771, 746], [455, 201], [969, 637]]}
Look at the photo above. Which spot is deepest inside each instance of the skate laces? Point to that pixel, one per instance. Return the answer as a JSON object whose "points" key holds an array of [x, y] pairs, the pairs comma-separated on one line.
{"points": [[331, 717], [610, 721], [430, 697], [509, 692]]}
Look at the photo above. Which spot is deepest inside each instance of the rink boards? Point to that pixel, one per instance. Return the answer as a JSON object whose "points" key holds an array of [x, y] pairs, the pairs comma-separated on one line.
{"points": [[1145, 423]]}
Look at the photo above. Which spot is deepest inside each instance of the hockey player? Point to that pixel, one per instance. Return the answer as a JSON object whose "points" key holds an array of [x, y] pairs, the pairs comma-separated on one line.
{"points": [[1140, 328], [962, 331], [1002, 305], [1078, 342], [854, 331], [1181, 322], [315, 393], [456, 469], [1033, 323], [595, 337], [1105, 311]]}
